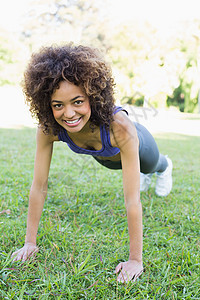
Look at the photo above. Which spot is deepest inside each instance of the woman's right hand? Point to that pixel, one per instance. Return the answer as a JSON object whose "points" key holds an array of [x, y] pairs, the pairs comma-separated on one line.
{"points": [[25, 252]]}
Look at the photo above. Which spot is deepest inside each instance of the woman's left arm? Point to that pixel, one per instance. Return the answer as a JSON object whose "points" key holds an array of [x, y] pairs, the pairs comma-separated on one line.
{"points": [[125, 138]]}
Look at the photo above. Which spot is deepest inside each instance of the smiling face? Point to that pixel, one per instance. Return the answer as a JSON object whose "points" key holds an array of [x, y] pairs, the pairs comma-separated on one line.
{"points": [[71, 107]]}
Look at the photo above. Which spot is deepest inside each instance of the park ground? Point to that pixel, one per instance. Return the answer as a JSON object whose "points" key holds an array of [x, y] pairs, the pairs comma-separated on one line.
{"points": [[83, 230], [15, 114]]}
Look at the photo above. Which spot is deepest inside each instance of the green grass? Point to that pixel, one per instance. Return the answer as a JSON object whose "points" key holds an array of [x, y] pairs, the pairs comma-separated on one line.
{"points": [[83, 230]]}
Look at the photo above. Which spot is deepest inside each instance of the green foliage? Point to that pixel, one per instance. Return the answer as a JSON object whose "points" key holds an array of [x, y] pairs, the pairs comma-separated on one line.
{"points": [[137, 100], [83, 231], [5, 59], [5, 55], [12, 59], [177, 99], [144, 63], [160, 65], [182, 97]]}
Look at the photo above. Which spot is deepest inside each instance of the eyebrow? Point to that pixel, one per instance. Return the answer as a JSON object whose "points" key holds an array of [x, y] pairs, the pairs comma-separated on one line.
{"points": [[58, 101]]}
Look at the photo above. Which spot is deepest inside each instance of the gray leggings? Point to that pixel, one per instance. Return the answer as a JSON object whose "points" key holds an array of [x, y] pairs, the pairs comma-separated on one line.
{"points": [[151, 160]]}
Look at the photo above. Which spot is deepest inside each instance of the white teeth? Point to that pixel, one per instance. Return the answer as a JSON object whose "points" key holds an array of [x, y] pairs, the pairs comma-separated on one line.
{"points": [[72, 122]]}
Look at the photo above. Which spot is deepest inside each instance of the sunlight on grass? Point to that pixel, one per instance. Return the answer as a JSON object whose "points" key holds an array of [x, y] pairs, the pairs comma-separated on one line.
{"points": [[83, 230]]}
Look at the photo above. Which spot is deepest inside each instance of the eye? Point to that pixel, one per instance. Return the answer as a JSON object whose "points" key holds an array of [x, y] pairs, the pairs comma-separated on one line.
{"points": [[78, 102], [57, 106]]}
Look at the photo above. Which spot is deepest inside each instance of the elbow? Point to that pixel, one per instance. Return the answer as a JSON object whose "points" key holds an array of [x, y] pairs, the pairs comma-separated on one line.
{"points": [[133, 206], [133, 203], [40, 187]]}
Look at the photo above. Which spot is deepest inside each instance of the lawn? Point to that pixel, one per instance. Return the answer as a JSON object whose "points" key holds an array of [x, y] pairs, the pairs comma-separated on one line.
{"points": [[83, 231]]}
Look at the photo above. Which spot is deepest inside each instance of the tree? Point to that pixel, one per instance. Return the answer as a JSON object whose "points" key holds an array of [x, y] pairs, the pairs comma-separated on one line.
{"points": [[58, 21], [12, 56], [145, 60]]}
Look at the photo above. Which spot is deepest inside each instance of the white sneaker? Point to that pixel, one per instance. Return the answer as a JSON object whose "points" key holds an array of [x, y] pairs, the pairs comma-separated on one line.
{"points": [[145, 180], [164, 180]]}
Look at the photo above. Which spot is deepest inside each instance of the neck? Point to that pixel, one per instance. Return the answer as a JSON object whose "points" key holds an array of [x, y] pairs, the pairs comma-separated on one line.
{"points": [[86, 130]]}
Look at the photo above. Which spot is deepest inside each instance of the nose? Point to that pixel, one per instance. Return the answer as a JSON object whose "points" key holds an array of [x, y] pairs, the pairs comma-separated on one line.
{"points": [[69, 112]]}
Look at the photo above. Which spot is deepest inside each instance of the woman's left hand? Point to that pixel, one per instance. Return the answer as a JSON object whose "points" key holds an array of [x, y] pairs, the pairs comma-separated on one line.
{"points": [[130, 270]]}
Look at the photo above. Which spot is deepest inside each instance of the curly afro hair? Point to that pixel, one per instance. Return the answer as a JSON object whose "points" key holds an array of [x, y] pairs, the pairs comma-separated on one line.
{"points": [[82, 66]]}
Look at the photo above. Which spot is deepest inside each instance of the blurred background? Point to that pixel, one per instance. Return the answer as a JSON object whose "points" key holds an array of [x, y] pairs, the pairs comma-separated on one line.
{"points": [[153, 47]]}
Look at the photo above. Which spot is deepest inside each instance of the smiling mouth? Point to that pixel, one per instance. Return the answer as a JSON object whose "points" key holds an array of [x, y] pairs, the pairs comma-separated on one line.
{"points": [[73, 123]]}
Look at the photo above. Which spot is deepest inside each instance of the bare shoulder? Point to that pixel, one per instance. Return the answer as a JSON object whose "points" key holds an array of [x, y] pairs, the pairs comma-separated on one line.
{"points": [[123, 130], [44, 138]]}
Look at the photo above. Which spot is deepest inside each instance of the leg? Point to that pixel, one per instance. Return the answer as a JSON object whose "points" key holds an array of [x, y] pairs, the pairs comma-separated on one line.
{"points": [[151, 160], [114, 165]]}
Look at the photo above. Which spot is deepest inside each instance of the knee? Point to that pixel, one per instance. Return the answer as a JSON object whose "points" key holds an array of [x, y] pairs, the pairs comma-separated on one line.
{"points": [[149, 163]]}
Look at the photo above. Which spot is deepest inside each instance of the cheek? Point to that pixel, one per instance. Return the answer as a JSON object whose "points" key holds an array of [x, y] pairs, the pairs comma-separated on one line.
{"points": [[88, 110], [85, 110], [56, 114]]}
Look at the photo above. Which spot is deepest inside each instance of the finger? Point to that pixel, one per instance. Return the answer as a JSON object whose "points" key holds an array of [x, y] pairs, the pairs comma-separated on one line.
{"points": [[14, 258], [25, 256], [136, 276], [17, 257], [29, 253], [128, 277], [118, 267], [36, 250], [33, 251], [123, 276], [14, 253], [140, 272], [120, 278]]}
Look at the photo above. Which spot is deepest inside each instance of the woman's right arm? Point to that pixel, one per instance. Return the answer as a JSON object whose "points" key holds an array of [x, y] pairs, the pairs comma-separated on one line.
{"points": [[38, 194]]}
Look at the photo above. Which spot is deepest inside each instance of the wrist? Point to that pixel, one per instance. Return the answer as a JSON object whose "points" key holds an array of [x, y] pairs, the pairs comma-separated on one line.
{"points": [[29, 240], [30, 243], [138, 258]]}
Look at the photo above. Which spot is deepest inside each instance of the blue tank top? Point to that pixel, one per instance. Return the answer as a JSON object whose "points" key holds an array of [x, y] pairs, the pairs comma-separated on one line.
{"points": [[106, 150]]}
